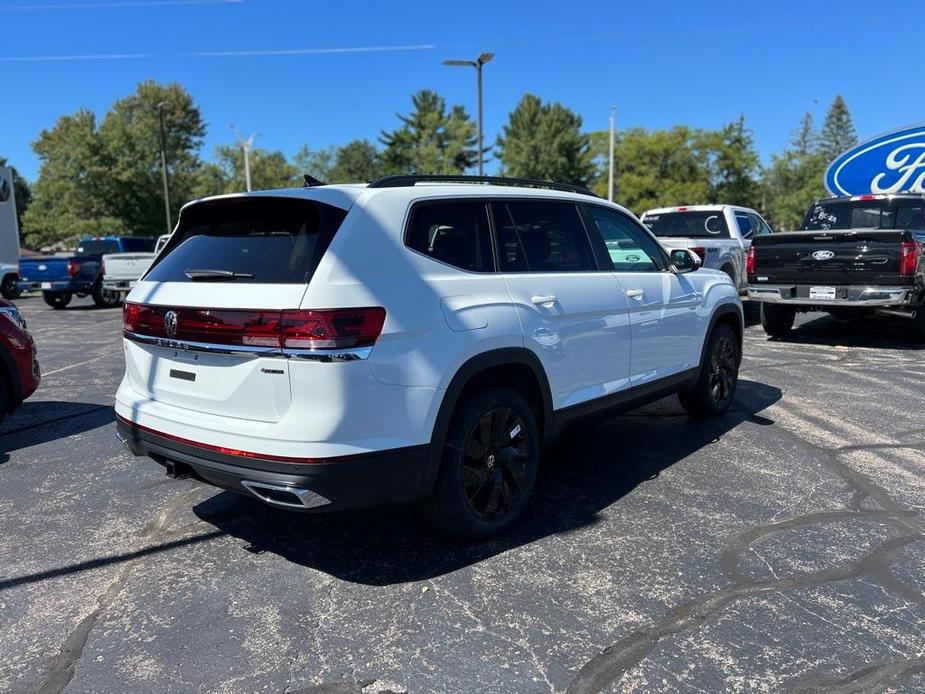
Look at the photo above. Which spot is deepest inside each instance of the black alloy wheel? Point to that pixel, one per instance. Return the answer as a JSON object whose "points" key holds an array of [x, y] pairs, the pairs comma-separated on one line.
{"points": [[724, 369], [495, 463]]}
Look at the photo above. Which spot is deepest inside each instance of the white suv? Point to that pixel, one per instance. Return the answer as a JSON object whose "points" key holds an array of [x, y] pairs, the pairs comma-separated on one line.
{"points": [[417, 338]]}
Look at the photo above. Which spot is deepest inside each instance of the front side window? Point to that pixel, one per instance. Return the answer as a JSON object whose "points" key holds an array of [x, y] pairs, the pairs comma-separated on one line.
{"points": [[541, 236], [629, 247], [455, 233], [260, 240]]}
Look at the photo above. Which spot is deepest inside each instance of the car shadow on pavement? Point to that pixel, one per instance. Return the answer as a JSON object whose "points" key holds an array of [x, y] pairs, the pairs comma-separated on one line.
{"points": [[389, 545], [874, 332], [41, 421]]}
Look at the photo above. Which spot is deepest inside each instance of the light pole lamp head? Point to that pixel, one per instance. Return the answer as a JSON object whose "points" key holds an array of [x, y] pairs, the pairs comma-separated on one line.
{"points": [[485, 57], [460, 63]]}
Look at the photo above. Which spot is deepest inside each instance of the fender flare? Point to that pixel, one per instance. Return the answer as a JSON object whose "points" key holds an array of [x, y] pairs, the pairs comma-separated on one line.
{"points": [[464, 374], [725, 309]]}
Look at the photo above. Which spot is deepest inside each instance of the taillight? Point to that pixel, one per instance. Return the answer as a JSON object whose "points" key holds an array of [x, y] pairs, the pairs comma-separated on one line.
{"points": [[700, 251], [751, 260], [909, 252], [291, 329], [73, 267]]}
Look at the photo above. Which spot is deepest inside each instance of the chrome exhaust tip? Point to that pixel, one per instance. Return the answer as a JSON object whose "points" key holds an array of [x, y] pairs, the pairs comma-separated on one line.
{"points": [[283, 495]]}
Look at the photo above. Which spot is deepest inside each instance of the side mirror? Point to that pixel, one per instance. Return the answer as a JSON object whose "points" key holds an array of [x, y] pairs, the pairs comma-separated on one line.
{"points": [[685, 260]]}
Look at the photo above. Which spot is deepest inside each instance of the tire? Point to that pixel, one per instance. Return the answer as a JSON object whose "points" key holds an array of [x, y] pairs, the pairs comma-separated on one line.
{"points": [[719, 375], [57, 301], [9, 289], [105, 298], [777, 321], [486, 475], [914, 330]]}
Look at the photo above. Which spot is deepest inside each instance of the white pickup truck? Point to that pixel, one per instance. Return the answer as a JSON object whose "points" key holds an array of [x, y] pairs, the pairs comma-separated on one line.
{"points": [[719, 234], [121, 271]]}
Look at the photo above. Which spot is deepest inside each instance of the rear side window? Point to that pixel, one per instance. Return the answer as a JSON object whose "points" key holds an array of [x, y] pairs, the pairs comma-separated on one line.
{"points": [[541, 236], [455, 233], [254, 240]]}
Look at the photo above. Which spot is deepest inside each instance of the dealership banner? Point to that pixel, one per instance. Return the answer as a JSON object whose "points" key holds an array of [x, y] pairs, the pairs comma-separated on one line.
{"points": [[889, 163]]}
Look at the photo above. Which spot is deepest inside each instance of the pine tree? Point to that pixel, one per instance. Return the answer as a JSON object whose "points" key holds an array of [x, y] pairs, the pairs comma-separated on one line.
{"points": [[356, 162], [838, 134], [545, 141], [431, 139], [736, 166]]}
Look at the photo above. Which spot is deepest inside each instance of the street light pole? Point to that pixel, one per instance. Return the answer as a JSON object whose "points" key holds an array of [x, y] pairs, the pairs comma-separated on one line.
{"points": [[160, 119], [246, 146], [477, 64], [613, 110]]}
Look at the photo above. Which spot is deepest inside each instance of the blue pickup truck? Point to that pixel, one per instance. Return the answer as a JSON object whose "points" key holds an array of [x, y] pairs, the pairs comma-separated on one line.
{"points": [[60, 278]]}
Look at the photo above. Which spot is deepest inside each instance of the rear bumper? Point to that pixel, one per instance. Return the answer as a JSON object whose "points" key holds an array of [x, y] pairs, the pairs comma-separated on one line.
{"points": [[57, 287], [119, 285], [852, 295], [358, 481]]}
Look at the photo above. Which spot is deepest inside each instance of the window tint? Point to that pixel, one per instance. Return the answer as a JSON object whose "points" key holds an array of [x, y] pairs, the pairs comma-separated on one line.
{"points": [[690, 224], [541, 236], [89, 247], [910, 217], [746, 225], [630, 248], [455, 233], [138, 245], [263, 240]]}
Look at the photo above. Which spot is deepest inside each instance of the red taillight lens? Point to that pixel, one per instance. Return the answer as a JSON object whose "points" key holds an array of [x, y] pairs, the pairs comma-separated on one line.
{"points": [[909, 252], [750, 261], [293, 329], [700, 251], [73, 267]]}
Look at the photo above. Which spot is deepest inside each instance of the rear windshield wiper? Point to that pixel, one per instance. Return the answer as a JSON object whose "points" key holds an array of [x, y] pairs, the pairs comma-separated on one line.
{"points": [[206, 275]]}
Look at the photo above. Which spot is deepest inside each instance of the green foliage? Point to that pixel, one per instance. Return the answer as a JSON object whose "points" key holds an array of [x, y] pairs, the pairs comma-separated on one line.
{"points": [[794, 178], [22, 192], [105, 178], [356, 162], [226, 174], [838, 134], [735, 166], [430, 139], [315, 162], [545, 141]]}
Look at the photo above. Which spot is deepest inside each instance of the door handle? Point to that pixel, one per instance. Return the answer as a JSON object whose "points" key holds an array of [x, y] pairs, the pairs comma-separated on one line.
{"points": [[635, 293], [547, 301]]}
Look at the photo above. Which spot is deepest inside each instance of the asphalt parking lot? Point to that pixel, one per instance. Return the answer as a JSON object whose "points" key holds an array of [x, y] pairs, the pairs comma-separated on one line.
{"points": [[781, 547]]}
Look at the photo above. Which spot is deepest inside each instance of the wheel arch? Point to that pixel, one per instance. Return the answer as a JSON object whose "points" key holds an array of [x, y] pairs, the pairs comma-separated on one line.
{"points": [[515, 367], [730, 314]]}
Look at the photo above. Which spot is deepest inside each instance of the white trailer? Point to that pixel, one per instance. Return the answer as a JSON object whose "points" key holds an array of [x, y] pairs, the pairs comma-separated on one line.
{"points": [[9, 236]]}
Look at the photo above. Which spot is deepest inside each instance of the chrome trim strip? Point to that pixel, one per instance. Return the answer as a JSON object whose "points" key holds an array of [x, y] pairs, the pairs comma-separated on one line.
{"points": [[307, 498], [858, 296], [323, 355]]}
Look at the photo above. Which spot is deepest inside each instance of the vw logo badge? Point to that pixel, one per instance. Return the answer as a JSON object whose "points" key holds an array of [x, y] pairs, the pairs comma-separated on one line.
{"points": [[823, 255], [170, 323]]}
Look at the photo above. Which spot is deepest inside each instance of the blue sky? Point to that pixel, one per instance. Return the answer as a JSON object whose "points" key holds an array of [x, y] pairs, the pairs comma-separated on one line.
{"points": [[661, 63]]}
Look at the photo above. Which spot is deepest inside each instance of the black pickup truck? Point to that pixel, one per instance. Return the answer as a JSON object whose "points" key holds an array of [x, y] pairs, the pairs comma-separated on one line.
{"points": [[853, 256]]}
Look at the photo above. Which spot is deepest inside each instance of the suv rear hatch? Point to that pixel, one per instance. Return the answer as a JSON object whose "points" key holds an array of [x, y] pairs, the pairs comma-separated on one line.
{"points": [[202, 326]]}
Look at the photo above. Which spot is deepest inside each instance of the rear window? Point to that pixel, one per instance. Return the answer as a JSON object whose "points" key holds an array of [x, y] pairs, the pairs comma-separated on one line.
{"points": [[692, 224], [865, 214], [251, 240], [97, 247]]}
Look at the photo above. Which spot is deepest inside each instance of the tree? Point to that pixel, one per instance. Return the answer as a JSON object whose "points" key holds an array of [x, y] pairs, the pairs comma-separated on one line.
{"points": [[545, 141], [226, 174], [794, 178], [736, 166], [659, 167], [315, 162], [21, 191], [430, 139], [356, 162], [130, 134], [838, 134]]}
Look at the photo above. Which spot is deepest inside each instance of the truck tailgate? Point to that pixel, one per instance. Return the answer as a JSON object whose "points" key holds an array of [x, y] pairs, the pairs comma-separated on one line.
{"points": [[853, 257], [43, 269]]}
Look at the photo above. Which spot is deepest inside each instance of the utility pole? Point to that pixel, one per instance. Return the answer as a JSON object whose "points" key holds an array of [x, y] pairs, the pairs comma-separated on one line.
{"points": [[246, 146], [160, 119], [613, 118], [477, 64]]}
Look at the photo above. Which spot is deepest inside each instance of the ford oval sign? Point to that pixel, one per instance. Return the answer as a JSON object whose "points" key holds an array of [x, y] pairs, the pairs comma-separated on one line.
{"points": [[891, 163], [823, 255]]}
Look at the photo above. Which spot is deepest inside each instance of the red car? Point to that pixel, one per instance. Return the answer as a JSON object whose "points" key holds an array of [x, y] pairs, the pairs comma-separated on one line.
{"points": [[19, 365]]}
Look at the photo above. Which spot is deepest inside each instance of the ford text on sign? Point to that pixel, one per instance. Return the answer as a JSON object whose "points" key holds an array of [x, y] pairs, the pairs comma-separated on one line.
{"points": [[891, 163]]}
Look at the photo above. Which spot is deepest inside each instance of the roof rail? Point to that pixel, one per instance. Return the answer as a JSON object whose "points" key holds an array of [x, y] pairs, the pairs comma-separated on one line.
{"points": [[404, 180]]}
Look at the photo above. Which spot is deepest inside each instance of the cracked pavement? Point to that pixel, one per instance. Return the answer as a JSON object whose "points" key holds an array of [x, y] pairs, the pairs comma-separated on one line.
{"points": [[778, 548]]}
